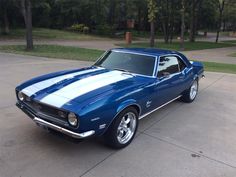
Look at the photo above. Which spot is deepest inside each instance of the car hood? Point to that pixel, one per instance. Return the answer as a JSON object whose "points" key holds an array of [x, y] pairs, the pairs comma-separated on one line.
{"points": [[78, 86]]}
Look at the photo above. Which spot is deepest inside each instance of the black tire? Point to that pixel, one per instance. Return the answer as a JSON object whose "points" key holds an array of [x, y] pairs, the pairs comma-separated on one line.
{"points": [[111, 135], [186, 97]]}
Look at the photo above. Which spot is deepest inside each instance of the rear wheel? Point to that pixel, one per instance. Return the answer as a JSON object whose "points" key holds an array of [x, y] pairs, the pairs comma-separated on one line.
{"points": [[123, 129], [190, 94]]}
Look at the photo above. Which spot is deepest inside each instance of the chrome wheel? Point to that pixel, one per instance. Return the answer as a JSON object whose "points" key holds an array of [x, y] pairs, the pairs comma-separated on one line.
{"points": [[126, 128], [193, 90]]}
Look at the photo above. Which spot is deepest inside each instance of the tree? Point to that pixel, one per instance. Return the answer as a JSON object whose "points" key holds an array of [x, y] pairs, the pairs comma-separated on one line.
{"points": [[182, 26], [229, 15], [168, 13], [152, 10], [4, 7], [111, 13], [221, 5], [27, 14], [207, 16], [193, 19]]}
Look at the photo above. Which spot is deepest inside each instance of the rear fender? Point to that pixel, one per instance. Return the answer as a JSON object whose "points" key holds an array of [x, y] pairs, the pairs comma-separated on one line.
{"points": [[198, 69]]}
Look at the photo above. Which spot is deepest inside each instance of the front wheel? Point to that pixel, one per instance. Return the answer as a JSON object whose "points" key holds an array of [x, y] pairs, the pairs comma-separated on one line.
{"points": [[123, 129], [190, 94]]}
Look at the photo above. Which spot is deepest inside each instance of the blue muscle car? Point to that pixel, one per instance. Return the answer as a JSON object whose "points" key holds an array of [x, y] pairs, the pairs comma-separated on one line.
{"points": [[110, 97]]}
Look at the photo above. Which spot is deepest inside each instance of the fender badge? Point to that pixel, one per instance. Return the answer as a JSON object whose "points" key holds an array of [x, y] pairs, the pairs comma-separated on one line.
{"points": [[95, 119], [148, 104], [102, 126]]}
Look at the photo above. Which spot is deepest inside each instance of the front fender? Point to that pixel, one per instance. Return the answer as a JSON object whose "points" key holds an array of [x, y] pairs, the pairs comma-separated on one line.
{"points": [[122, 106], [127, 103]]}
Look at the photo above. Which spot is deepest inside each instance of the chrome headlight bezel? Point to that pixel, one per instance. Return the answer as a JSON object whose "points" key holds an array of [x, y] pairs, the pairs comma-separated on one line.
{"points": [[20, 96], [73, 119]]}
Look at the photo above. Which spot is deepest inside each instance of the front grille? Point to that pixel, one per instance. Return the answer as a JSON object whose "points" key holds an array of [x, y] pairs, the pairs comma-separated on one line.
{"points": [[40, 108]]}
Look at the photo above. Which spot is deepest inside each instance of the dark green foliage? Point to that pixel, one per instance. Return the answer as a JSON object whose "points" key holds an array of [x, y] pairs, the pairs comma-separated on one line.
{"points": [[82, 28], [107, 17], [175, 45]]}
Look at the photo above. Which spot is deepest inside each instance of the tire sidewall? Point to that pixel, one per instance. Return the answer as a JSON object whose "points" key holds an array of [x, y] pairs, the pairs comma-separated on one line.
{"points": [[111, 133], [189, 92]]}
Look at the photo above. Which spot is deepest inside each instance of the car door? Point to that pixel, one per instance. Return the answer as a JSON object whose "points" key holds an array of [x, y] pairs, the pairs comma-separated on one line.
{"points": [[169, 79]]}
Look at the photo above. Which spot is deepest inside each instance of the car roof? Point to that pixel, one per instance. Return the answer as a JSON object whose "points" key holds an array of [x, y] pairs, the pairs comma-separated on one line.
{"points": [[147, 51]]}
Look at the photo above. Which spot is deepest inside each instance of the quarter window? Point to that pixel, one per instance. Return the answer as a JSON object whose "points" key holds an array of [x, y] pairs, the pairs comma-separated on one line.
{"points": [[182, 65], [168, 65]]}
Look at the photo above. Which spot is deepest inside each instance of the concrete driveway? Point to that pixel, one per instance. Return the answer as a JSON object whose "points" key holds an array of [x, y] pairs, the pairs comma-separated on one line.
{"points": [[180, 140]]}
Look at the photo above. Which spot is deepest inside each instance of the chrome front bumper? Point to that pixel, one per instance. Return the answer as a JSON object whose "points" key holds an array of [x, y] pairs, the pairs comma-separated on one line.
{"points": [[42, 122], [47, 124]]}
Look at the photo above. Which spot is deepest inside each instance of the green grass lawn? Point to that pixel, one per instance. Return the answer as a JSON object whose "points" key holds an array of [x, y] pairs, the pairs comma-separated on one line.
{"points": [[76, 53], [230, 41], [55, 51], [233, 55], [219, 67], [43, 33], [176, 45]]}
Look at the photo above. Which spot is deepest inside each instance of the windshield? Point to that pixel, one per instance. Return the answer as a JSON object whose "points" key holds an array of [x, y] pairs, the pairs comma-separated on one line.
{"points": [[133, 63]]}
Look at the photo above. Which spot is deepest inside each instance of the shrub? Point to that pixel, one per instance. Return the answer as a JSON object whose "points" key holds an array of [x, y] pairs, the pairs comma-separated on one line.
{"points": [[105, 29], [82, 28], [85, 29]]}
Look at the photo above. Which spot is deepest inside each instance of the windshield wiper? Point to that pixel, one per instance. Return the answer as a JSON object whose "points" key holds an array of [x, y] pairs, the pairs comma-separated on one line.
{"points": [[125, 71]]}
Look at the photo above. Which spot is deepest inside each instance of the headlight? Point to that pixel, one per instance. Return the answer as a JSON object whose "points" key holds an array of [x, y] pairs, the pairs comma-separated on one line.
{"points": [[72, 119], [21, 96]]}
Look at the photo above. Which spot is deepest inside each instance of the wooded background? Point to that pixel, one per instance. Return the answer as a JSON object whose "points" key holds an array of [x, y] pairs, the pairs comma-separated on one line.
{"points": [[109, 17]]}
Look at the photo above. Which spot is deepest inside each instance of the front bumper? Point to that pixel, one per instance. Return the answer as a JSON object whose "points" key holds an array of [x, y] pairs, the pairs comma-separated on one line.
{"points": [[47, 124]]}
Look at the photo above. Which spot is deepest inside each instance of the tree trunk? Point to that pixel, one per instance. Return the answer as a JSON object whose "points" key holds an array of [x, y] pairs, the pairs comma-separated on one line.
{"points": [[192, 23], [152, 37], [219, 27], [139, 20], [165, 29], [166, 22], [27, 14], [172, 19], [6, 22], [182, 27], [111, 16], [224, 25], [171, 33], [221, 9], [23, 10]]}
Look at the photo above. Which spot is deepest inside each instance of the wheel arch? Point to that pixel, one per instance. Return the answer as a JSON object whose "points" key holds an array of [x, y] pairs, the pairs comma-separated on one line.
{"points": [[122, 107], [196, 77]]}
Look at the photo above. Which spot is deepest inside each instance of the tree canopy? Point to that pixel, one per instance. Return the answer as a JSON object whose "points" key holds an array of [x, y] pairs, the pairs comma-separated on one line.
{"points": [[109, 16]]}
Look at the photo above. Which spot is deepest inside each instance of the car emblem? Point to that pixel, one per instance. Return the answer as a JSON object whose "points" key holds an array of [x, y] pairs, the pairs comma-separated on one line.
{"points": [[148, 104]]}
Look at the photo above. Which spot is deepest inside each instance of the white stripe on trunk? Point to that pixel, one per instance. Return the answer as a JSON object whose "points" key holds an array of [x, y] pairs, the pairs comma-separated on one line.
{"points": [[30, 90], [83, 86]]}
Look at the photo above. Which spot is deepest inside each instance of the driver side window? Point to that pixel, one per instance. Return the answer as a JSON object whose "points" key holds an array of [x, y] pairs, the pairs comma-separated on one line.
{"points": [[168, 65]]}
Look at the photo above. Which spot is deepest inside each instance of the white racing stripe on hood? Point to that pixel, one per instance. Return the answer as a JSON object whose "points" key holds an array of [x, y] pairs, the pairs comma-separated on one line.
{"points": [[30, 90], [83, 86]]}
